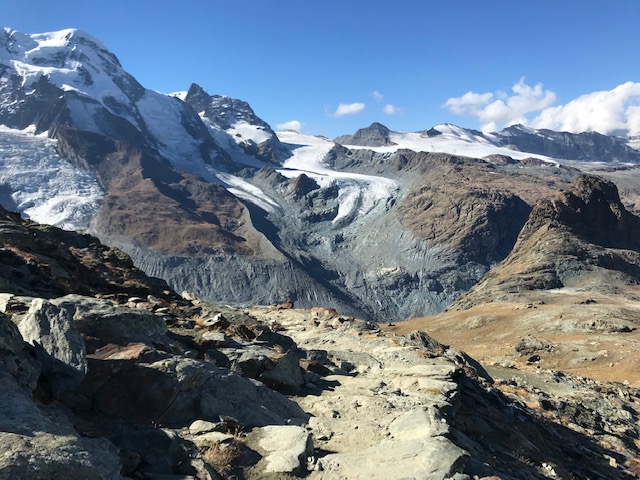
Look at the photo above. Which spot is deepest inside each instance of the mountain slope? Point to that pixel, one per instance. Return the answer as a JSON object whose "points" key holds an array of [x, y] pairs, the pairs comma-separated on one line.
{"points": [[585, 146]]}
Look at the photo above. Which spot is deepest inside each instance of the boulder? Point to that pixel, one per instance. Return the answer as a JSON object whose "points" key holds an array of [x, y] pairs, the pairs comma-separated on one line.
{"points": [[58, 345], [287, 448], [285, 375], [251, 363], [249, 401], [102, 320], [38, 441], [160, 451]]}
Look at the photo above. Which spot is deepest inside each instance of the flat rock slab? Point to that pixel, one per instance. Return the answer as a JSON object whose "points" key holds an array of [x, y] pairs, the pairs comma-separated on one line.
{"points": [[435, 458], [286, 448]]}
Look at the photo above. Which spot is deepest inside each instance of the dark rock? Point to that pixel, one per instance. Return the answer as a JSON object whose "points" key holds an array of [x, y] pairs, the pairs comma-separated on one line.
{"points": [[302, 185], [267, 336], [285, 374], [152, 451], [251, 364]]}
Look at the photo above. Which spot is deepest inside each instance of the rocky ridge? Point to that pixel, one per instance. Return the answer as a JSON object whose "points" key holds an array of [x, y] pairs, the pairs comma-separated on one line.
{"points": [[375, 135], [583, 235]]}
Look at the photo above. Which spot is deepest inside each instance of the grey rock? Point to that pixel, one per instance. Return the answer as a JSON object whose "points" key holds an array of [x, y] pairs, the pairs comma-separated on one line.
{"points": [[427, 459], [249, 401], [350, 361], [101, 319], [38, 443], [287, 448], [419, 423], [203, 426], [532, 345], [251, 363], [58, 344]]}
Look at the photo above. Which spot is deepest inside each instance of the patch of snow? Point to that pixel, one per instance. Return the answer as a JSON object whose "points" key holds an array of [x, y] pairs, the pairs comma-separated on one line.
{"points": [[37, 182], [229, 145], [634, 142], [246, 131], [181, 95], [244, 190]]}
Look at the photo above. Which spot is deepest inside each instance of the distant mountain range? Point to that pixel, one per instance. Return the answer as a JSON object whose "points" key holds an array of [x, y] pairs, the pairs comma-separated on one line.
{"points": [[203, 193], [517, 139]]}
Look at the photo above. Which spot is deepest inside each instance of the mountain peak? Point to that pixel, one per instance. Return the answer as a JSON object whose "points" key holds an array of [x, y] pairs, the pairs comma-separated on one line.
{"points": [[375, 135], [377, 126], [196, 89]]}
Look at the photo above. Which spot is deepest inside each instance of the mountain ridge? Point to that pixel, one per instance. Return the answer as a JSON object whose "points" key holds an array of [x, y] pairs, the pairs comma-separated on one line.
{"points": [[585, 146]]}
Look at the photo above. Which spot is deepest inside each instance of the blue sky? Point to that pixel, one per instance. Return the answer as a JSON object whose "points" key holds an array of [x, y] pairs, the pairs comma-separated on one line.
{"points": [[478, 64]]}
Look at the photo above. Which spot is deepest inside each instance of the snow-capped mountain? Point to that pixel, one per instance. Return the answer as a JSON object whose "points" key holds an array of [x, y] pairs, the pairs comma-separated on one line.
{"points": [[517, 141], [202, 192], [239, 122], [69, 79]]}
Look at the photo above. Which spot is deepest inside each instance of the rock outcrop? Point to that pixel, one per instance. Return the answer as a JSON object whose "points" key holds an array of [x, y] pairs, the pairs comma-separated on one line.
{"points": [[584, 235]]}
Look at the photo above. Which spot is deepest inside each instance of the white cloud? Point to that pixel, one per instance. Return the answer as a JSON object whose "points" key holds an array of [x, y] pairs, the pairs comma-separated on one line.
{"points": [[615, 111], [348, 109], [500, 108], [468, 104], [391, 109], [294, 125], [377, 96]]}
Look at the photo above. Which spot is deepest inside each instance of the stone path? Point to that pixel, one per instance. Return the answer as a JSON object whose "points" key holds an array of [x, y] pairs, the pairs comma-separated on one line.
{"points": [[382, 418]]}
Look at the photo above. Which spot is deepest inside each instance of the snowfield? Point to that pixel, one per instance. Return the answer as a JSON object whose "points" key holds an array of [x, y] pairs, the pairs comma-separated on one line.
{"points": [[44, 186], [357, 193]]}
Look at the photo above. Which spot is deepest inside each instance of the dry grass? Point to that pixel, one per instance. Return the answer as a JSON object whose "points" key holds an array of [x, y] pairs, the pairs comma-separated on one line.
{"points": [[578, 349], [223, 456]]}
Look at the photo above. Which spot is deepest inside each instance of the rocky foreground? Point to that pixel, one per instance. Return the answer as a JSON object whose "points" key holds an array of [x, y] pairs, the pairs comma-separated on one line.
{"points": [[131, 387]]}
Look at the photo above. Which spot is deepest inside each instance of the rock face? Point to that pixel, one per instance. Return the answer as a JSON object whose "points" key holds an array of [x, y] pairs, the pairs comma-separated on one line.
{"points": [[585, 233], [44, 261], [58, 345], [39, 441]]}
